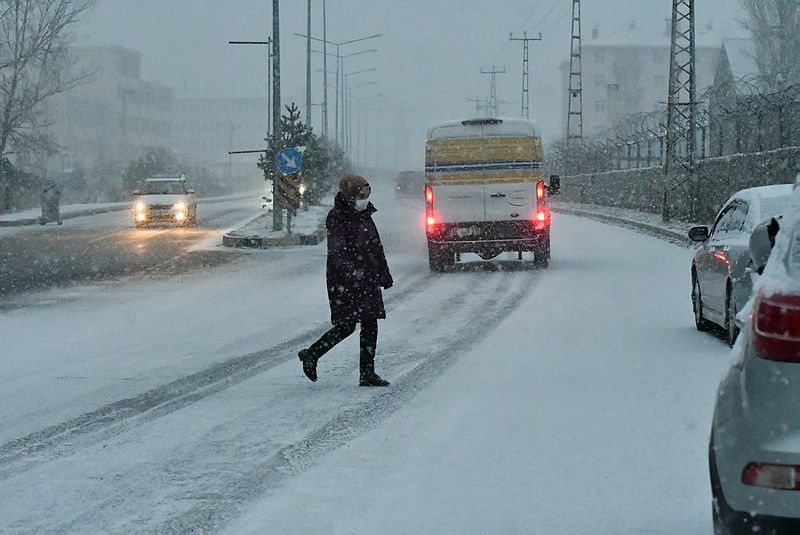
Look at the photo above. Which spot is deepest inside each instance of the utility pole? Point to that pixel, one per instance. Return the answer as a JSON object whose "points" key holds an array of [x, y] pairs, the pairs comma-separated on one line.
{"points": [[480, 104], [308, 67], [493, 91], [324, 72], [277, 209], [575, 106], [525, 114], [681, 102], [340, 65]]}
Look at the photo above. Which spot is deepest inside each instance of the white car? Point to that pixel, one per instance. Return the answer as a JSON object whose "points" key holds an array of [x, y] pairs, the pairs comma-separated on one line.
{"points": [[165, 199], [754, 448], [720, 274]]}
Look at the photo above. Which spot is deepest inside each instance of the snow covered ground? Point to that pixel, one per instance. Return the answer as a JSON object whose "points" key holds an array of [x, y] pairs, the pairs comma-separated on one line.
{"points": [[575, 399]]}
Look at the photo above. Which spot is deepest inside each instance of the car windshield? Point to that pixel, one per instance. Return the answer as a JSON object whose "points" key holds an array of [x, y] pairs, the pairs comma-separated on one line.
{"points": [[156, 187]]}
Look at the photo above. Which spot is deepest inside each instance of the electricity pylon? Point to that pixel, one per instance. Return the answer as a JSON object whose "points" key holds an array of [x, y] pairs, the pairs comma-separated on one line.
{"points": [[575, 105], [526, 99], [681, 101], [493, 92]]}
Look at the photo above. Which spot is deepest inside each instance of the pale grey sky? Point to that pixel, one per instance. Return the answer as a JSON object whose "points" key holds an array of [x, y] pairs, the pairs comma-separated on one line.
{"points": [[428, 63]]}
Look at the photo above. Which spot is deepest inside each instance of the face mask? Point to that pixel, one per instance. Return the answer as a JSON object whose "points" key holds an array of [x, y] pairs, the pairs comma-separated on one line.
{"points": [[361, 204]]}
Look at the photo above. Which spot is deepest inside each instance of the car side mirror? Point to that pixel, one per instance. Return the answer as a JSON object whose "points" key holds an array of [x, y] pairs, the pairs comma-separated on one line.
{"points": [[762, 240], [555, 185], [698, 233]]}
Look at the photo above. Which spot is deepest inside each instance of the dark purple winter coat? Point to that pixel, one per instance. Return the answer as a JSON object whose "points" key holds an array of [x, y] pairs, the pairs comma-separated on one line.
{"points": [[357, 267]]}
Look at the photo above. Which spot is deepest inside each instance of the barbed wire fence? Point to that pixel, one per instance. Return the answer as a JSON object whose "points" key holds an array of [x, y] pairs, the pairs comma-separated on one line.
{"points": [[743, 116]]}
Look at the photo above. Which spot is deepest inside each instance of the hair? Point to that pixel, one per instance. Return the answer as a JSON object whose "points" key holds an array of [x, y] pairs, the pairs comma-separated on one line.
{"points": [[350, 185]]}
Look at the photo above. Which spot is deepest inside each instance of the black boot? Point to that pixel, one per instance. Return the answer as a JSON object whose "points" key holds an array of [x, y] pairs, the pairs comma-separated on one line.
{"points": [[372, 379], [369, 338], [368, 377], [309, 364]]}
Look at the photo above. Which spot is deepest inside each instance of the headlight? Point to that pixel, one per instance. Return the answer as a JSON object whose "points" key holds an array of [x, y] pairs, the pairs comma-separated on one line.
{"points": [[139, 206], [179, 205]]}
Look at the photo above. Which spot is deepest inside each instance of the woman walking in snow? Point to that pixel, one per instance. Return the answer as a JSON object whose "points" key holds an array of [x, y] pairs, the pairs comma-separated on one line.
{"points": [[356, 271]]}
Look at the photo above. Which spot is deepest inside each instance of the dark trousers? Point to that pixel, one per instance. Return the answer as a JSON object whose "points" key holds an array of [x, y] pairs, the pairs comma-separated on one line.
{"points": [[368, 339]]}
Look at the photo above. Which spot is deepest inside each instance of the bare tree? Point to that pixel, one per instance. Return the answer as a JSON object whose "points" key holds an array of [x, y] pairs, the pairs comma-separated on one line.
{"points": [[34, 66], [773, 25]]}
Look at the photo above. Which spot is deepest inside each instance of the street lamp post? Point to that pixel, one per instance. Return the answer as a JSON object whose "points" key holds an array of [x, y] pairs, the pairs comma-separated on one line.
{"points": [[338, 45], [346, 104], [346, 123]]}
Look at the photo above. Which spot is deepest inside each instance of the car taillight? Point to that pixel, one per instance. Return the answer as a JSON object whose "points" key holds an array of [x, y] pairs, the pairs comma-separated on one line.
{"points": [[541, 217], [429, 217], [539, 190], [776, 327], [772, 476]]}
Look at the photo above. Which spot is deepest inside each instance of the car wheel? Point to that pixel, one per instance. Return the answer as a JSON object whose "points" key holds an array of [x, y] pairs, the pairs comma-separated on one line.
{"points": [[731, 329], [541, 252], [700, 322], [438, 257], [719, 507]]}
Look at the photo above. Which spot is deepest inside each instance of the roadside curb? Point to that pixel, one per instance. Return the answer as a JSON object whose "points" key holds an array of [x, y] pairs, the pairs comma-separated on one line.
{"points": [[99, 210], [260, 242], [671, 235], [256, 241], [64, 215]]}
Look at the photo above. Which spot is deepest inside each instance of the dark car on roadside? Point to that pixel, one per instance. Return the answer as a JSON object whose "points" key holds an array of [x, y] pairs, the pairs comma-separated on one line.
{"points": [[721, 272], [410, 183]]}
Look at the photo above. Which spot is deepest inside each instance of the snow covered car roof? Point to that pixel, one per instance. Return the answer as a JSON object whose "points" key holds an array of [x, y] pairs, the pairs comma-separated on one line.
{"points": [[782, 272], [768, 201], [484, 126]]}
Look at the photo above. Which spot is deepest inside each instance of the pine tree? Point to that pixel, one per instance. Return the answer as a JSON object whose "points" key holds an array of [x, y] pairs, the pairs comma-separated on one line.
{"points": [[319, 160]]}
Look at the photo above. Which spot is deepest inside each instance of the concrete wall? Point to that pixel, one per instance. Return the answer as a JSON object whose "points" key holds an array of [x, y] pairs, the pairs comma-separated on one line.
{"points": [[690, 200]]}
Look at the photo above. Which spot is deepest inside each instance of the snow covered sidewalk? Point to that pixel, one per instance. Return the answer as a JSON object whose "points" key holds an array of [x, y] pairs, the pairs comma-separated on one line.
{"points": [[673, 231]]}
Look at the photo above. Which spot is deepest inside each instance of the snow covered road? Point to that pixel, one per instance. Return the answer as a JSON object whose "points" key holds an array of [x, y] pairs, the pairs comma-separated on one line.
{"points": [[575, 399]]}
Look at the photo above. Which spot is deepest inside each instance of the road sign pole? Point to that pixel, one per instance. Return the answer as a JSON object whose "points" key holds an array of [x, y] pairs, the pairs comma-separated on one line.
{"points": [[287, 188]]}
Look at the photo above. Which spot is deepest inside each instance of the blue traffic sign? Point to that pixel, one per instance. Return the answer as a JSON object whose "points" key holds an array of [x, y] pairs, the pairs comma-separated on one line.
{"points": [[289, 160]]}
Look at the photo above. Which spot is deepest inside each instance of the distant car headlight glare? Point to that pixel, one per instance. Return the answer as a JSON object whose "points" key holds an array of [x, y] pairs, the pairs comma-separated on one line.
{"points": [[179, 205], [140, 206]]}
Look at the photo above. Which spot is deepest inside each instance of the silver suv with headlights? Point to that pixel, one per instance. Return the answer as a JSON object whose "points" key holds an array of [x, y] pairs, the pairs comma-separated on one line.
{"points": [[165, 199]]}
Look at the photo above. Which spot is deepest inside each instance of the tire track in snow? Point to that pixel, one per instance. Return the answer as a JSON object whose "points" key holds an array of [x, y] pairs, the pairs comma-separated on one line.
{"points": [[92, 427], [214, 512]]}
